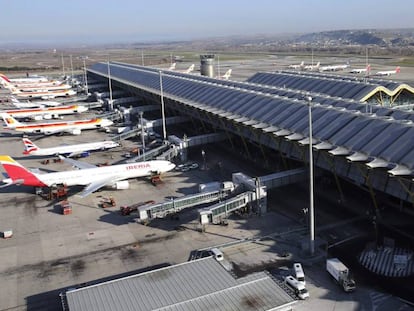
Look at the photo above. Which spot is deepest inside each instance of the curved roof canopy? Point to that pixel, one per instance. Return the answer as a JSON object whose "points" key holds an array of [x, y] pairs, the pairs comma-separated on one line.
{"points": [[382, 139]]}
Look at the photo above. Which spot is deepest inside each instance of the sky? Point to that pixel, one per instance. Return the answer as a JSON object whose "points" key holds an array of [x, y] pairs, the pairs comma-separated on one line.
{"points": [[93, 21]]}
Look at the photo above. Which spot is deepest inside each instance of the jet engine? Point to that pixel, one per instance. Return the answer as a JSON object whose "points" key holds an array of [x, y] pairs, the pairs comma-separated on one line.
{"points": [[121, 185], [75, 132]]}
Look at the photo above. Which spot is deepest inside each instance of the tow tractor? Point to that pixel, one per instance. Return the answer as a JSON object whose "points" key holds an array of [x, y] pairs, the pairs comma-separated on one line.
{"points": [[128, 209]]}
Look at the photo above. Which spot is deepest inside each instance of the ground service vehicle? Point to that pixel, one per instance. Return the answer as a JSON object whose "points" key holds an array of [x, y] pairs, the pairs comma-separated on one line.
{"points": [[298, 287], [299, 274], [340, 273], [218, 255]]}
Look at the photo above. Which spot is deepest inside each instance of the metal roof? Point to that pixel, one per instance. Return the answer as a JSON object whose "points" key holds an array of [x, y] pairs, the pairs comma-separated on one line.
{"points": [[331, 85], [336, 125], [196, 285]]}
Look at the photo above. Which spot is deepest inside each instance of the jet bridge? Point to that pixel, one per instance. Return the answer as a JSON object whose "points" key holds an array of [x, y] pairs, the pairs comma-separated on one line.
{"points": [[161, 210], [254, 199]]}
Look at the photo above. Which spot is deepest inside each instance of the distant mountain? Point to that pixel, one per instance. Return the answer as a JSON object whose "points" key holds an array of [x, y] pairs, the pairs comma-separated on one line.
{"points": [[383, 38]]}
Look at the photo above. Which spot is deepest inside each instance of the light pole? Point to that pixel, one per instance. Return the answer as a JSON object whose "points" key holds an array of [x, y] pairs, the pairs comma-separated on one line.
{"points": [[71, 68], [311, 199], [86, 75], [110, 86], [203, 154], [142, 134], [63, 65], [164, 131]]}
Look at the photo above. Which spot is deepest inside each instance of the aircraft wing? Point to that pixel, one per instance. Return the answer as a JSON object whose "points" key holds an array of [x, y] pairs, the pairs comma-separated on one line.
{"points": [[73, 154], [97, 184], [78, 164]]}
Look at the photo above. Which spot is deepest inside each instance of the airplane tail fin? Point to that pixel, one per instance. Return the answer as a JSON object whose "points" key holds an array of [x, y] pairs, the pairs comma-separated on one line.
{"points": [[398, 69], [172, 67], [190, 69], [18, 174], [318, 64], [4, 77], [29, 146], [5, 81], [10, 121], [227, 74], [14, 99]]}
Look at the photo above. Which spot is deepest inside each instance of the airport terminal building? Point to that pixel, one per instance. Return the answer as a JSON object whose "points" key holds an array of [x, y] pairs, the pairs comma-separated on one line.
{"points": [[359, 134]]}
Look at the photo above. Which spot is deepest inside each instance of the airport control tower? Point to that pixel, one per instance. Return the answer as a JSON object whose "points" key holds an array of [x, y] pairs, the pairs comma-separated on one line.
{"points": [[207, 65]]}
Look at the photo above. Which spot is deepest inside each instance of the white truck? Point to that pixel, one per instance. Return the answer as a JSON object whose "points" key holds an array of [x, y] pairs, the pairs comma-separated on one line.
{"points": [[340, 273], [297, 287]]}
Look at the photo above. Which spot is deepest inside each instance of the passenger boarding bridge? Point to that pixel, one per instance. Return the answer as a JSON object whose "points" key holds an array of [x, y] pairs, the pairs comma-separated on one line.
{"points": [[373, 147]]}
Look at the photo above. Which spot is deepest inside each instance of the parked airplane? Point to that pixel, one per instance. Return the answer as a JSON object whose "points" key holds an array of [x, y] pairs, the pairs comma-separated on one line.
{"points": [[67, 150], [42, 93], [88, 175], [389, 72], [29, 104], [361, 70], [297, 67], [226, 75], [6, 82], [312, 67], [334, 67], [189, 69], [39, 87], [29, 79], [45, 113], [71, 127]]}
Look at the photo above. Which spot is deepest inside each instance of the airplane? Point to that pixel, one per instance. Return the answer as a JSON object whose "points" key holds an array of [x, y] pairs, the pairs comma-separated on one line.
{"points": [[36, 86], [44, 94], [361, 70], [189, 69], [297, 67], [6, 82], [388, 73], [172, 67], [88, 175], [30, 79], [334, 67], [29, 104], [71, 127], [312, 67], [226, 75], [45, 113], [67, 150]]}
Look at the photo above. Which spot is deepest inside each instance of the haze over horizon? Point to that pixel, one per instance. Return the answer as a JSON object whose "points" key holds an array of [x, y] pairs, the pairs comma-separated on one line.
{"points": [[94, 22]]}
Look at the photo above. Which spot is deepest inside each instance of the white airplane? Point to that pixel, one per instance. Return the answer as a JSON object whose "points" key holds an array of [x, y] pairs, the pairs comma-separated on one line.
{"points": [[334, 67], [389, 72], [189, 69], [312, 67], [88, 175], [42, 93], [38, 88], [226, 75], [6, 82], [297, 67], [70, 127], [30, 79], [29, 104], [367, 69], [45, 113], [67, 150], [172, 67]]}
